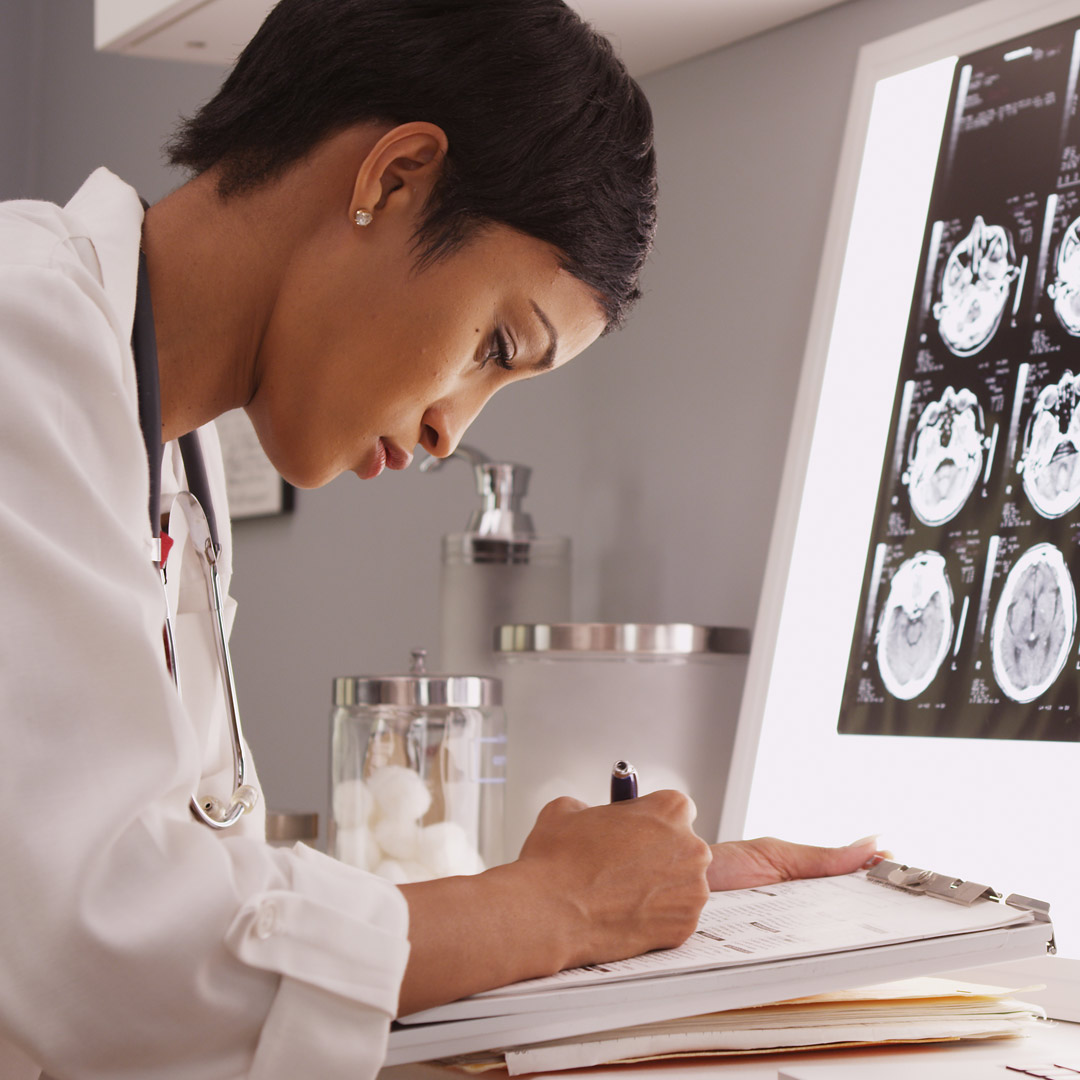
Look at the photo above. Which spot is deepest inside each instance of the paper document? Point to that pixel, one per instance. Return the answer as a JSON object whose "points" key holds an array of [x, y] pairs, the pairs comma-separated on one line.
{"points": [[913, 1010], [789, 920], [751, 946]]}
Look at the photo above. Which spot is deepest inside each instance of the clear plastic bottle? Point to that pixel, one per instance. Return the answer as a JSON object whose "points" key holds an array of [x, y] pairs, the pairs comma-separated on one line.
{"points": [[498, 570]]}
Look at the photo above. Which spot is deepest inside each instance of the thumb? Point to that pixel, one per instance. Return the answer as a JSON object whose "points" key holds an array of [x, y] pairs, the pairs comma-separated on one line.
{"points": [[745, 864]]}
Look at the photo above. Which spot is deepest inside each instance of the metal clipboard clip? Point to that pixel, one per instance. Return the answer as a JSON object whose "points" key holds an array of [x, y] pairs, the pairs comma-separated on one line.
{"points": [[913, 880]]}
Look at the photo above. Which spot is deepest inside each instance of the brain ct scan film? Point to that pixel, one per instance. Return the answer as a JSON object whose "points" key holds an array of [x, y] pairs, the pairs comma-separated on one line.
{"points": [[1034, 624], [967, 616], [916, 625], [1050, 463], [945, 457], [975, 288], [1064, 290]]}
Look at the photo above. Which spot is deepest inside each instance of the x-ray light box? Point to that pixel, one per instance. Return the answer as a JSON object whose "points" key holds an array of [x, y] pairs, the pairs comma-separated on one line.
{"points": [[916, 664]]}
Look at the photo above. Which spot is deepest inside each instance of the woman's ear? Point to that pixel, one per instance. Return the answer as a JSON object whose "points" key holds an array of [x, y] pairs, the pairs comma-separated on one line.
{"points": [[400, 170]]}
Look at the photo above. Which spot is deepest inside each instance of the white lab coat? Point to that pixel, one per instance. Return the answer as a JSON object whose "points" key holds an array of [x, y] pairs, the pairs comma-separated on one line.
{"points": [[134, 941]]}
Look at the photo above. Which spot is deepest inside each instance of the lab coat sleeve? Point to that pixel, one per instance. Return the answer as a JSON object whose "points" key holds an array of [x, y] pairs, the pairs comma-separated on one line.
{"points": [[135, 942]]}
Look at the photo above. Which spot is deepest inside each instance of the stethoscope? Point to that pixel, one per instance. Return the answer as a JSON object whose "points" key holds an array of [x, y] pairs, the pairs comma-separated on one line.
{"points": [[198, 510]]}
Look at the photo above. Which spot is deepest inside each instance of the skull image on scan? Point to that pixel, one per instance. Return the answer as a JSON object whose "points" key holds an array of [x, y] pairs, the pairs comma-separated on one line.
{"points": [[1065, 289], [975, 288], [1050, 461], [1034, 624], [916, 625], [945, 456]]}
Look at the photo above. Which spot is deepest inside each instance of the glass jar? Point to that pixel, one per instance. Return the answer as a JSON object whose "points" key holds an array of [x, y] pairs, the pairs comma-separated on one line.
{"points": [[418, 768]]}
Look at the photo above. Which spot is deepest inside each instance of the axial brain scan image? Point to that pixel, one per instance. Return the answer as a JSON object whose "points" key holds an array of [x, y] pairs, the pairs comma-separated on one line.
{"points": [[916, 625], [945, 456], [1065, 289], [975, 288], [1050, 461], [1034, 624]]}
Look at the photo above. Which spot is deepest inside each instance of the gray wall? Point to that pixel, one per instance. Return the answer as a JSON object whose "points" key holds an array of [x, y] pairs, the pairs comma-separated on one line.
{"points": [[659, 451], [20, 66]]}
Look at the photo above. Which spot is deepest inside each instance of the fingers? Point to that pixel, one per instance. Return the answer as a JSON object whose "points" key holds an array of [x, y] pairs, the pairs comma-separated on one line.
{"points": [[745, 864], [672, 805], [560, 807], [628, 876]]}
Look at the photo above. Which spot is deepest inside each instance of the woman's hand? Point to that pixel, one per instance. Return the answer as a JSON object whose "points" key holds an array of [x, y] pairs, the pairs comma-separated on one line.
{"points": [[631, 875], [591, 884], [745, 864]]}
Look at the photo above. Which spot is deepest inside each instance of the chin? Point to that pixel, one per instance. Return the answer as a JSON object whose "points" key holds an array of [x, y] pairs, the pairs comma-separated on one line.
{"points": [[305, 474], [300, 464]]}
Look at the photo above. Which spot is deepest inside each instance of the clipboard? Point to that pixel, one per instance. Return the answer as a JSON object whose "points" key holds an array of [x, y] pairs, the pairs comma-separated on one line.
{"points": [[535, 1010]]}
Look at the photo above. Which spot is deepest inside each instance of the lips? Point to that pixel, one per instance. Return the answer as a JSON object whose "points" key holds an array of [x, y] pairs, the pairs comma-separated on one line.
{"points": [[386, 455], [395, 457]]}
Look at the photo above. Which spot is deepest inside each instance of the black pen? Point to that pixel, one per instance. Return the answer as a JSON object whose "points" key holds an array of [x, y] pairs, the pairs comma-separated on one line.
{"points": [[623, 781]]}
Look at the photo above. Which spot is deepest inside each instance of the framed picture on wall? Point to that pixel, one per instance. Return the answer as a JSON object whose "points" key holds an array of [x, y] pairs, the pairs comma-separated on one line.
{"points": [[254, 486]]}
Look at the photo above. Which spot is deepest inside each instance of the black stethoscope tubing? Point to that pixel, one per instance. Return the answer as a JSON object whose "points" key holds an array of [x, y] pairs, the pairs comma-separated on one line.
{"points": [[198, 506], [144, 346]]}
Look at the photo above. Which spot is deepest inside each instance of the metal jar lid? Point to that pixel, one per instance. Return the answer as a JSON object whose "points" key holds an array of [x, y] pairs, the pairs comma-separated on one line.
{"points": [[418, 688], [283, 826], [624, 639]]}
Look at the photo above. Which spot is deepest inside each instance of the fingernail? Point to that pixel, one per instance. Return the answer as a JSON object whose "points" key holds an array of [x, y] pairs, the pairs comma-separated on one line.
{"points": [[866, 841], [878, 856]]}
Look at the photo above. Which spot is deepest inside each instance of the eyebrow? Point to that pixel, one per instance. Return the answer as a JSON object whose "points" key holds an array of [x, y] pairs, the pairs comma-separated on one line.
{"points": [[547, 361]]}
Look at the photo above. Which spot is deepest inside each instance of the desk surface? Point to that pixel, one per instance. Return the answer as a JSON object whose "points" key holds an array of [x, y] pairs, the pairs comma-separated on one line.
{"points": [[1053, 1042]]}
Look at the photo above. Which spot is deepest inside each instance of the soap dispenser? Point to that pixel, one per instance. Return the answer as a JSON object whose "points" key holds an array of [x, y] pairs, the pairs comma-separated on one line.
{"points": [[498, 570]]}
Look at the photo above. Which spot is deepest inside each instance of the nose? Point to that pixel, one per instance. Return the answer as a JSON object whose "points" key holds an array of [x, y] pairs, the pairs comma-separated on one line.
{"points": [[443, 425]]}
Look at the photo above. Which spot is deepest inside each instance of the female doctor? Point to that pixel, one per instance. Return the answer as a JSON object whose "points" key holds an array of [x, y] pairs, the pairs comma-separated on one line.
{"points": [[398, 207]]}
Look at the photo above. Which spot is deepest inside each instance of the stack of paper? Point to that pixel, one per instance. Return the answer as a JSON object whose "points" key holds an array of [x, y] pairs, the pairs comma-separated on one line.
{"points": [[751, 947], [914, 1010]]}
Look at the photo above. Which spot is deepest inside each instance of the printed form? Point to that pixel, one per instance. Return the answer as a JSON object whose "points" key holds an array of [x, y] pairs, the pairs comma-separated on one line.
{"points": [[789, 920]]}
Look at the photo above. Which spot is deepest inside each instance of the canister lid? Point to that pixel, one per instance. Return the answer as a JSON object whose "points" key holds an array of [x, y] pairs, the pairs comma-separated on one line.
{"points": [[418, 688], [283, 826], [638, 639]]}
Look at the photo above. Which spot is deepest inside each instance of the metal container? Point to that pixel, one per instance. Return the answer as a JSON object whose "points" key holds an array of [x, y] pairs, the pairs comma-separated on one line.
{"points": [[418, 769], [580, 695], [284, 828]]}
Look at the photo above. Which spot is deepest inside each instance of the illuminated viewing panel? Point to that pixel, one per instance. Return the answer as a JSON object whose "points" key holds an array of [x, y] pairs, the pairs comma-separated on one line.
{"points": [[921, 671]]}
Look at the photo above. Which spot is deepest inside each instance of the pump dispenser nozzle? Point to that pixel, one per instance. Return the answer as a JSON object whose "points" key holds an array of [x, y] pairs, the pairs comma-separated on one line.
{"points": [[501, 487]]}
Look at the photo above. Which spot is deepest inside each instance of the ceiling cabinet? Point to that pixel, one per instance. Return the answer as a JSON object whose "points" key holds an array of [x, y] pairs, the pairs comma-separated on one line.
{"points": [[213, 31]]}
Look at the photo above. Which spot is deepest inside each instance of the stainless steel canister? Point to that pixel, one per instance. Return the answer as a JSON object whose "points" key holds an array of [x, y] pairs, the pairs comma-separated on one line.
{"points": [[580, 695], [418, 769]]}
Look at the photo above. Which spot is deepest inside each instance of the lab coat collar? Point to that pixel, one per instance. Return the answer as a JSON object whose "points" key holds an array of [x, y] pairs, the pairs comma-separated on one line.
{"points": [[112, 215]]}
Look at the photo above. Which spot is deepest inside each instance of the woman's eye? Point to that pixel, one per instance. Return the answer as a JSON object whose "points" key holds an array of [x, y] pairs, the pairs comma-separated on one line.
{"points": [[501, 351]]}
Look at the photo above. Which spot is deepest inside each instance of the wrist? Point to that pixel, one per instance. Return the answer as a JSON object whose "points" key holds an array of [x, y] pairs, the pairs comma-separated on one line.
{"points": [[547, 922]]}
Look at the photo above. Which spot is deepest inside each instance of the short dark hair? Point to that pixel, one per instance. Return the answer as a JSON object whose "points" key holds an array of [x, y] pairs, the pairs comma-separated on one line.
{"points": [[547, 132]]}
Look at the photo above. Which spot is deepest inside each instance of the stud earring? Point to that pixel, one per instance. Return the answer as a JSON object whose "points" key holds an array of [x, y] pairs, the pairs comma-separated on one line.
{"points": [[363, 218]]}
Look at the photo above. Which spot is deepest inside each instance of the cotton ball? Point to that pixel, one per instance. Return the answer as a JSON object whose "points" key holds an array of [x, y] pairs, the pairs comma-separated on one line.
{"points": [[399, 793], [444, 849], [396, 838], [392, 871], [416, 871], [356, 847], [353, 804]]}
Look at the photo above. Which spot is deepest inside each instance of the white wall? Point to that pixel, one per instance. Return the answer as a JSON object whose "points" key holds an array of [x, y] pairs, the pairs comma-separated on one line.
{"points": [[659, 451]]}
